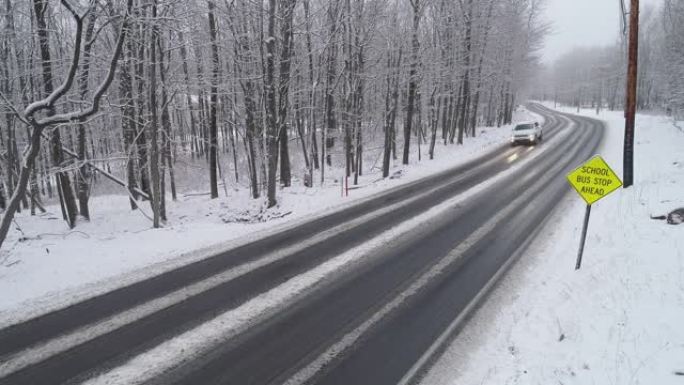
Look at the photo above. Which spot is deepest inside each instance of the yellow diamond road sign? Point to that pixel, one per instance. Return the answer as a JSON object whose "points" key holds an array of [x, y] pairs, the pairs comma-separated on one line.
{"points": [[594, 180]]}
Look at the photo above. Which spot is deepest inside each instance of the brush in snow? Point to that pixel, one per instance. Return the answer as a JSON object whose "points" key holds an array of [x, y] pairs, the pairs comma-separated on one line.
{"points": [[675, 217]]}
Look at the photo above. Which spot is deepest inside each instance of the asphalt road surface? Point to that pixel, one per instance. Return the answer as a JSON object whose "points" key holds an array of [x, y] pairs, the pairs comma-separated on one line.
{"points": [[379, 321]]}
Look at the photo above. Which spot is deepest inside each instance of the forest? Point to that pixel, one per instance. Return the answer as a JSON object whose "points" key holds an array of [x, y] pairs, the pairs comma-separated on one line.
{"points": [[596, 76], [134, 97]]}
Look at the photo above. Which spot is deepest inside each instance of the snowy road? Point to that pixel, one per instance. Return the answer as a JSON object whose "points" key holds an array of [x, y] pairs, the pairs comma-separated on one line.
{"points": [[355, 297]]}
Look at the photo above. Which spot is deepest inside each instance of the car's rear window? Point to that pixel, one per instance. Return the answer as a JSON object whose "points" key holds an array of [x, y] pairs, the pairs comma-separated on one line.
{"points": [[522, 127]]}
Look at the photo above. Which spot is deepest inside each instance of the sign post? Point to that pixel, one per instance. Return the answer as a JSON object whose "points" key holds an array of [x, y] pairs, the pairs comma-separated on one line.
{"points": [[584, 237], [593, 181]]}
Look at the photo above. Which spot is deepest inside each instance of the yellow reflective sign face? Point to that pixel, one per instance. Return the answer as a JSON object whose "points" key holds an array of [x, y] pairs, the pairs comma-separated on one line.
{"points": [[594, 180]]}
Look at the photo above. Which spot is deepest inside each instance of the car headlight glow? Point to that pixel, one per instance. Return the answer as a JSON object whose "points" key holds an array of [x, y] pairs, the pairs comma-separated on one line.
{"points": [[531, 137]]}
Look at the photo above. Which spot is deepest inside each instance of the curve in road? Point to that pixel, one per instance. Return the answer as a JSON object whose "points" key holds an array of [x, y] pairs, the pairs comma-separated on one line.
{"points": [[289, 346]]}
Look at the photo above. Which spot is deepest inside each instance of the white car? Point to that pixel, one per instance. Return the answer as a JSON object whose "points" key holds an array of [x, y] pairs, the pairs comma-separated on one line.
{"points": [[529, 133]]}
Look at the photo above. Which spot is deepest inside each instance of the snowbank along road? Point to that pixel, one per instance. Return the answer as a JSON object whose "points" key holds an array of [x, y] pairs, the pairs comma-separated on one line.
{"points": [[365, 295]]}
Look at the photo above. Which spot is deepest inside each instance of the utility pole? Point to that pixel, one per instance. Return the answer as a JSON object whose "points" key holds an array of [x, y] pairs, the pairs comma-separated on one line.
{"points": [[630, 107]]}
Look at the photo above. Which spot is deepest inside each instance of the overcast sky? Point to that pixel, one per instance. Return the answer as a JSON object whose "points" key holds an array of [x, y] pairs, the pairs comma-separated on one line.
{"points": [[579, 23]]}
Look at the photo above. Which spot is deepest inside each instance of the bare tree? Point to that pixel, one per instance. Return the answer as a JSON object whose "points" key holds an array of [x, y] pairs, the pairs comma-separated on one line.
{"points": [[413, 78], [204, 77], [213, 131], [38, 125]]}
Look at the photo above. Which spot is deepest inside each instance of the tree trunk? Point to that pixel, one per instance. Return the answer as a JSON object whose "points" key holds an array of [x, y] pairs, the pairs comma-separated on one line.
{"points": [[413, 79], [154, 124], [285, 16], [188, 97], [391, 104], [83, 175], [271, 106], [68, 199], [213, 131], [483, 51], [312, 95], [465, 96], [330, 118], [128, 120], [167, 128], [434, 120], [140, 130]]}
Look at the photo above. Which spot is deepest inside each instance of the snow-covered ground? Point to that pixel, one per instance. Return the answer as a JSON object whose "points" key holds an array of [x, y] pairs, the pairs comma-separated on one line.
{"points": [[44, 265], [620, 319]]}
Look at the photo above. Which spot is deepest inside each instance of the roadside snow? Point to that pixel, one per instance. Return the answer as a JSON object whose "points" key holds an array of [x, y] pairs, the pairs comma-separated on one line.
{"points": [[618, 320], [44, 265]]}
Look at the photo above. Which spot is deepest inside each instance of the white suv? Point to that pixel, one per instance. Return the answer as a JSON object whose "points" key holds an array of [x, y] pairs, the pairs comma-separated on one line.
{"points": [[530, 132]]}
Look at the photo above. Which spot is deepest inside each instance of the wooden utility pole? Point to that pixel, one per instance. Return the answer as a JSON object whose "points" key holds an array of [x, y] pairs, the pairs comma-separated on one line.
{"points": [[630, 108]]}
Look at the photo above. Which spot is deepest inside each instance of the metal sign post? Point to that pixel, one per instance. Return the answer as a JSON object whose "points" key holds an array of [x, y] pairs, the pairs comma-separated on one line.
{"points": [[584, 238]]}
